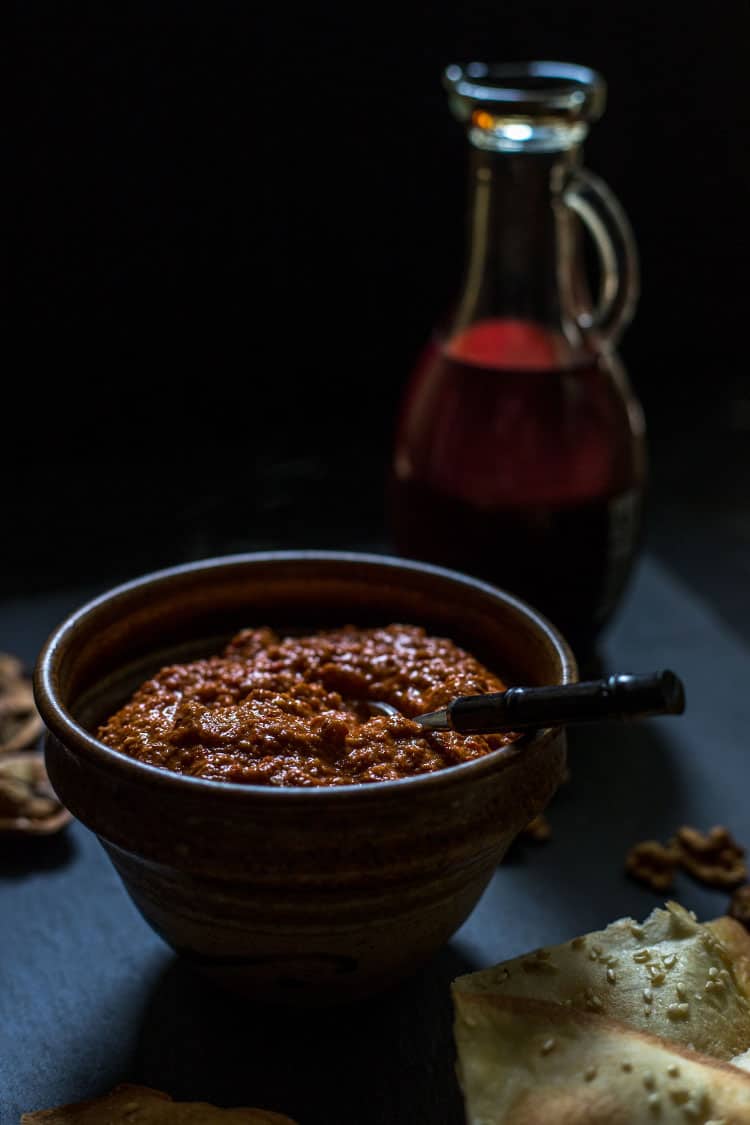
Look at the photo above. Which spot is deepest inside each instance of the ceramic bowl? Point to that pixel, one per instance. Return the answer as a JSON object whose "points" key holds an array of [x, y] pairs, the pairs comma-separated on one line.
{"points": [[295, 894]]}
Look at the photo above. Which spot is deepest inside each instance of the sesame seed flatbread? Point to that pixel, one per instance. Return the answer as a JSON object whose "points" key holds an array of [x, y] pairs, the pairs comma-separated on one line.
{"points": [[529, 1062], [635, 1023], [670, 976]]}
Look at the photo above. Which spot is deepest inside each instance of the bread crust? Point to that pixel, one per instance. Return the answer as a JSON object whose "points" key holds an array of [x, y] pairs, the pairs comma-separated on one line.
{"points": [[140, 1105]]}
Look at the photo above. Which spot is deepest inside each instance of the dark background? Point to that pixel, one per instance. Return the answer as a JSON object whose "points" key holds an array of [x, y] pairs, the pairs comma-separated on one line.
{"points": [[235, 226], [232, 229]]}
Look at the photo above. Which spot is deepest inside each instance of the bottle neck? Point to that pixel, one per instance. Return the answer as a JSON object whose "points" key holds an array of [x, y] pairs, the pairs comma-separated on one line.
{"points": [[523, 244]]}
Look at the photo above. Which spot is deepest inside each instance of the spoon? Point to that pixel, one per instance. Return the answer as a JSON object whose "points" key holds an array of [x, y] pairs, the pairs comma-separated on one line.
{"points": [[518, 708]]}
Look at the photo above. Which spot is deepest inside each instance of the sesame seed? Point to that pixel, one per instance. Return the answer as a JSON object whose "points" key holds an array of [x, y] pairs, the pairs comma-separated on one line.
{"points": [[547, 1046], [713, 972], [538, 965], [637, 931], [577, 943], [681, 993], [673, 1071], [627, 1067], [597, 949], [648, 996], [590, 1073], [611, 976], [714, 986], [670, 961], [657, 977], [678, 1011], [648, 1080], [654, 1101], [724, 975], [642, 955], [593, 955]]}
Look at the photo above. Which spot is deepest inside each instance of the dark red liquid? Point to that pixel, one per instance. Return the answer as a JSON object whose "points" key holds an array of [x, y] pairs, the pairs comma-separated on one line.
{"points": [[528, 476]]}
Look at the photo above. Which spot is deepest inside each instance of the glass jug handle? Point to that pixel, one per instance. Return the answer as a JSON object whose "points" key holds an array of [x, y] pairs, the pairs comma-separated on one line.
{"points": [[603, 216]]}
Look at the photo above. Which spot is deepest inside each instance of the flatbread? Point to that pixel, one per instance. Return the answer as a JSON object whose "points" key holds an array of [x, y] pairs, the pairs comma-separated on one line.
{"points": [[635, 1023], [531, 1062], [643, 975], [138, 1105]]}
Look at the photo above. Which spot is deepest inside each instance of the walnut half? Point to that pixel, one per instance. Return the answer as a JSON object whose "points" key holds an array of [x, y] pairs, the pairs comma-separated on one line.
{"points": [[714, 858], [653, 863], [739, 908]]}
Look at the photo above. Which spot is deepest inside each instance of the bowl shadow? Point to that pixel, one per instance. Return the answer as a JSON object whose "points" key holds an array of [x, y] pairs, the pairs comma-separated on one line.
{"points": [[22, 855], [381, 1061]]}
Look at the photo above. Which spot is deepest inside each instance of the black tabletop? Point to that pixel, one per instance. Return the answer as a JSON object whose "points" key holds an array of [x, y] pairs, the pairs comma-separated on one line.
{"points": [[90, 997]]}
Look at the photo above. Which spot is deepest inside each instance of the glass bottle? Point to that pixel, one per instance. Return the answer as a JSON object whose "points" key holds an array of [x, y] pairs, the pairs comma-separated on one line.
{"points": [[519, 455]]}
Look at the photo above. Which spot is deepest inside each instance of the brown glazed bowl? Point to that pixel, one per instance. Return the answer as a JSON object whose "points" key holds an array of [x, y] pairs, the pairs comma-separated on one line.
{"points": [[290, 893]]}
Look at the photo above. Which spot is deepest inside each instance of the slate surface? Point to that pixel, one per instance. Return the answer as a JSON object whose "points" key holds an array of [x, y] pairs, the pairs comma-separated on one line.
{"points": [[89, 996]]}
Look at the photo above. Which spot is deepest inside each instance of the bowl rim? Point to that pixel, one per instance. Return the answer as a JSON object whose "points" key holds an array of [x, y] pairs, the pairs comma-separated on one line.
{"points": [[61, 723]]}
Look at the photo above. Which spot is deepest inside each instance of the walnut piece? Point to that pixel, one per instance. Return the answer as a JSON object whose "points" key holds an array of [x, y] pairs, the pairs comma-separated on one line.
{"points": [[739, 908], [20, 724], [714, 858], [539, 829], [10, 670], [653, 863], [28, 805]]}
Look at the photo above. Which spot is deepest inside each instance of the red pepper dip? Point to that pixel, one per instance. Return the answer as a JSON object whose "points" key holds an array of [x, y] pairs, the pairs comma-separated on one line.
{"points": [[279, 711]]}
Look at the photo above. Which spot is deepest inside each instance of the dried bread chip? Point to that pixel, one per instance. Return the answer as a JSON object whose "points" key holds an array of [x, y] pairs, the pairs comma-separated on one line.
{"points": [[138, 1105], [534, 1062], [735, 941]]}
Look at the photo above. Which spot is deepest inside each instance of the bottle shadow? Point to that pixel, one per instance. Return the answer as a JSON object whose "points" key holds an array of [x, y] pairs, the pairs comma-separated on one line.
{"points": [[376, 1062]]}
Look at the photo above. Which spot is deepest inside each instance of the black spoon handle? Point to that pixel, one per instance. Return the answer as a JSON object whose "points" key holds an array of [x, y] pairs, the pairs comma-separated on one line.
{"points": [[615, 697]]}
